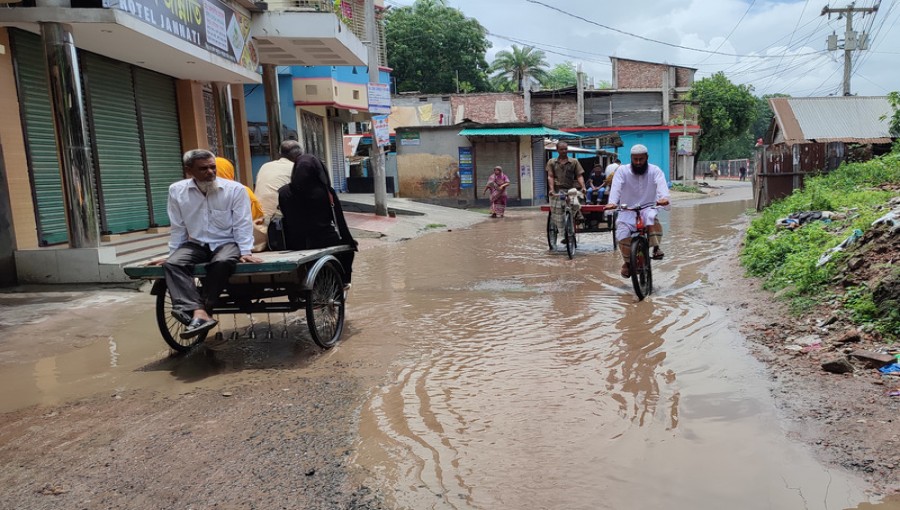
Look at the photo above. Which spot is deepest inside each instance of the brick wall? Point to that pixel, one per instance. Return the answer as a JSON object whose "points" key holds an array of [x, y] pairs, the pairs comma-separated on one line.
{"points": [[639, 75], [482, 107], [556, 113], [648, 75], [684, 77]]}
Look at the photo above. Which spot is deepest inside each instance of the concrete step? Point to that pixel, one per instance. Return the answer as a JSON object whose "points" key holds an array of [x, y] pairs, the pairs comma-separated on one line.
{"points": [[148, 253], [141, 245]]}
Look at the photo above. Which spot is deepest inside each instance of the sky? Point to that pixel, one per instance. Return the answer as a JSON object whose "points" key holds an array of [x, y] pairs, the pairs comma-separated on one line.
{"points": [[774, 46]]}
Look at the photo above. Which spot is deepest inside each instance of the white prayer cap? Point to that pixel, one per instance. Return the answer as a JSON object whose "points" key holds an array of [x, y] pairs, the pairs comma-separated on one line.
{"points": [[639, 149]]}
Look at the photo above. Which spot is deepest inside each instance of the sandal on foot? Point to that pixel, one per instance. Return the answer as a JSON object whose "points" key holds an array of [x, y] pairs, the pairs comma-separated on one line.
{"points": [[657, 254], [626, 271]]}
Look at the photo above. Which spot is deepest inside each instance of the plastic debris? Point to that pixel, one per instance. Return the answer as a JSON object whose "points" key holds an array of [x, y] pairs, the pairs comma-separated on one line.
{"points": [[893, 217], [852, 238], [893, 368]]}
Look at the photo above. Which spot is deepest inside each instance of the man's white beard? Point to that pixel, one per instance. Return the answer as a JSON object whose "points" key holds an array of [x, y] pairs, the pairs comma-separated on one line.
{"points": [[207, 186]]}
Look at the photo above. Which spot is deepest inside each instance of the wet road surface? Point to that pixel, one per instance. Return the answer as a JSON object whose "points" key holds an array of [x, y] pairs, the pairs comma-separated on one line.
{"points": [[507, 376], [532, 381]]}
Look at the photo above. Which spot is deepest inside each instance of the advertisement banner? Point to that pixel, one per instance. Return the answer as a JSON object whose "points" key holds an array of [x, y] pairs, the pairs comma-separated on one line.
{"points": [[466, 168], [685, 145], [382, 130], [379, 98], [207, 24]]}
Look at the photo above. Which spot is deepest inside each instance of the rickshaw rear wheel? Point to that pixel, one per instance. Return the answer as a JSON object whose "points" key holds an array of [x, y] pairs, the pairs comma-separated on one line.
{"points": [[170, 327], [325, 306]]}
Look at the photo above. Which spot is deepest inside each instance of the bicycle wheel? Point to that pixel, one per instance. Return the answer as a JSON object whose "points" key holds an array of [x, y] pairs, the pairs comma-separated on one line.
{"points": [[325, 307], [641, 273], [571, 242], [552, 234], [170, 327]]}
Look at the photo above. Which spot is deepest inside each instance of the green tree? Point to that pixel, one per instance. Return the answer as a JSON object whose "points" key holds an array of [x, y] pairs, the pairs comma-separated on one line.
{"points": [[894, 119], [561, 76], [433, 48], [520, 64], [501, 84], [726, 111]]}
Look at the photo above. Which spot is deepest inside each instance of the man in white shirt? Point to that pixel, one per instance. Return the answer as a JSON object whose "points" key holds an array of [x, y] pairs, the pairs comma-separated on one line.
{"points": [[211, 223], [275, 174], [636, 184]]}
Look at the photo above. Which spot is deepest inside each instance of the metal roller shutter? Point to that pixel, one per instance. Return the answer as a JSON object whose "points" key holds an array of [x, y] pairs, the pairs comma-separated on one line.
{"points": [[117, 145], [338, 179], [158, 111], [43, 159], [490, 154], [539, 161]]}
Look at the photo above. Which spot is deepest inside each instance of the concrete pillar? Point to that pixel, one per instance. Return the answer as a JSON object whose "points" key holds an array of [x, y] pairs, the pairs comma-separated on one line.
{"points": [[70, 120], [243, 164], [273, 109], [191, 115], [580, 98]]}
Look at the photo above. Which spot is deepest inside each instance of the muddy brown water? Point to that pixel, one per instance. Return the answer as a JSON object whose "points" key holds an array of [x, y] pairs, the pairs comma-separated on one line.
{"points": [[512, 377]]}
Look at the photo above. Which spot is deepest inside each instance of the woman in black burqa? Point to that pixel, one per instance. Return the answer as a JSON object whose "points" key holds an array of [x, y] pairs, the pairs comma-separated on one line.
{"points": [[313, 217]]}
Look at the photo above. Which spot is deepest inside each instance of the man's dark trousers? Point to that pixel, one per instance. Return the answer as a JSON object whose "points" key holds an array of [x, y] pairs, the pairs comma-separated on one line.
{"points": [[179, 268]]}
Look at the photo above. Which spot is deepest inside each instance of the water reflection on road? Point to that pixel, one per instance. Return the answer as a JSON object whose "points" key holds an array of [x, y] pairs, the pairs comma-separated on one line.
{"points": [[531, 381]]}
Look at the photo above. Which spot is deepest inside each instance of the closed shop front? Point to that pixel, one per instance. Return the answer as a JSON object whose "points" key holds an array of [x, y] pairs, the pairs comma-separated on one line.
{"points": [[133, 133], [539, 163], [491, 154]]}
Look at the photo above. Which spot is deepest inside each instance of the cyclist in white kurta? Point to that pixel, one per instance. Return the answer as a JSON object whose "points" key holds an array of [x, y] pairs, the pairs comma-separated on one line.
{"points": [[636, 184]]}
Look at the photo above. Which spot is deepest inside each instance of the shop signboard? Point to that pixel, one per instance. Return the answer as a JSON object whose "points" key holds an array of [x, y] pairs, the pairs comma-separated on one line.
{"points": [[208, 24]]}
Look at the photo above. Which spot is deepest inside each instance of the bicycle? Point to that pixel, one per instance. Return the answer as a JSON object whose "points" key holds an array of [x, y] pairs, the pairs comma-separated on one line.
{"points": [[639, 261], [570, 239]]}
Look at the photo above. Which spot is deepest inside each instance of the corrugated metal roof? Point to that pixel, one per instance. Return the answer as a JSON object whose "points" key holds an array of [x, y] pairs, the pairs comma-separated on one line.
{"points": [[824, 119], [517, 131]]}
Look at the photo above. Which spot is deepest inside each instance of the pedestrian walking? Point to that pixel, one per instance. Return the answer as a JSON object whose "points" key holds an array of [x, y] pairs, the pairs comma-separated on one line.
{"points": [[497, 184]]}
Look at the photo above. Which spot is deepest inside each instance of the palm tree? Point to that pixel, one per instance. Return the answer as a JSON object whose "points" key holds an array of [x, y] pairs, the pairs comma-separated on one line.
{"points": [[519, 64]]}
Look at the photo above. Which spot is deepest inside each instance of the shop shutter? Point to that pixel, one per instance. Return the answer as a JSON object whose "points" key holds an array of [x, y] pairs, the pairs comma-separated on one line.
{"points": [[158, 110], [43, 159], [490, 154], [338, 177], [539, 161], [117, 145]]}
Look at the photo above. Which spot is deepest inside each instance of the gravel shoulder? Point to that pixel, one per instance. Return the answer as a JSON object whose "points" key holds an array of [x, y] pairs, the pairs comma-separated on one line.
{"points": [[848, 419]]}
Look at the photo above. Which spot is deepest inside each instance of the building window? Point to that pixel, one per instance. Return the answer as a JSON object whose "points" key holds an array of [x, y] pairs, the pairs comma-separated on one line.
{"points": [[312, 90], [355, 94]]}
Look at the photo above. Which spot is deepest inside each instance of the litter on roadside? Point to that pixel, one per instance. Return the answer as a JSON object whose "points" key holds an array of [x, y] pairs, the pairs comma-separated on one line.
{"points": [[893, 368], [852, 238], [892, 218]]}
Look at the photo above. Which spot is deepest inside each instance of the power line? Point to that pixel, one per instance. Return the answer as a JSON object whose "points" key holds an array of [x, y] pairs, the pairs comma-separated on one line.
{"points": [[561, 11]]}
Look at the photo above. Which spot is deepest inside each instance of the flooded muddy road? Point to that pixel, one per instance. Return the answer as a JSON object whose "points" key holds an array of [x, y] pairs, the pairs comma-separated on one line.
{"points": [[478, 370]]}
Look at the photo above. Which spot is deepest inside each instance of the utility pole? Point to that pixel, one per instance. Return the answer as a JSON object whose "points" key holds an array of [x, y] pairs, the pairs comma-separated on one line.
{"points": [[851, 40], [376, 154]]}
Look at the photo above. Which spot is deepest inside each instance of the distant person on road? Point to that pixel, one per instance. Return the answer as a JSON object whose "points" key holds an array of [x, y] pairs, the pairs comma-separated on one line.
{"points": [[563, 173], [742, 173], [595, 189], [714, 170], [610, 174], [313, 217], [275, 174], [636, 184], [497, 184], [211, 224]]}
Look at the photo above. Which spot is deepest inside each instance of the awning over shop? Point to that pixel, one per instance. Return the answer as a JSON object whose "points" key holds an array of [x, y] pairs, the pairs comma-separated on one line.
{"points": [[533, 130]]}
